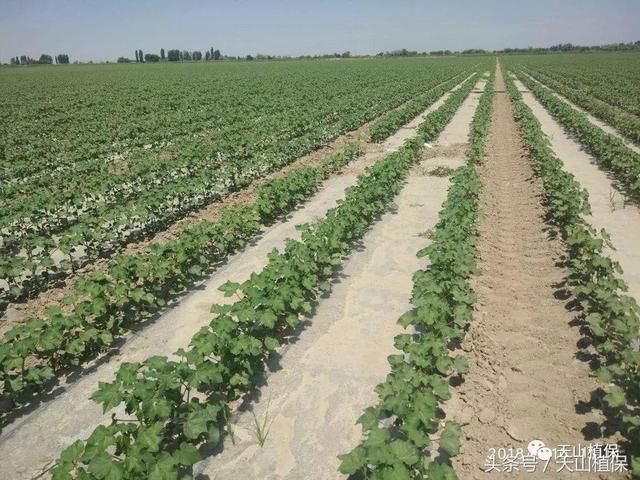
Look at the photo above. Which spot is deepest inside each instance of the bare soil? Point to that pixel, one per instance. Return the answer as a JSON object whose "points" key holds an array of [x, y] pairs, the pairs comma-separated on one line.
{"points": [[526, 381]]}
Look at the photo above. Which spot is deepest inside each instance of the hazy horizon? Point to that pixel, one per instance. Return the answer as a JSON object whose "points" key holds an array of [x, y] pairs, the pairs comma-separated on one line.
{"points": [[99, 31]]}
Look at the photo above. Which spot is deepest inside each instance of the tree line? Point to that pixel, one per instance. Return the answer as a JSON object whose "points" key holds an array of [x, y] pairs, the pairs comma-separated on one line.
{"points": [[561, 47], [60, 59], [174, 55], [569, 47]]}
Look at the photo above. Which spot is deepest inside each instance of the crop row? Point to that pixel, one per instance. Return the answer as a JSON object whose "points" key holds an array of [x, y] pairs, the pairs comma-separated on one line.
{"points": [[54, 119], [627, 124], [611, 78], [105, 305], [610, 151], [281, 137], [253, 113], [35, 259], [178, 405], [398, 428], [276, 123], [611, 317], [52, 208], [390, 123]]}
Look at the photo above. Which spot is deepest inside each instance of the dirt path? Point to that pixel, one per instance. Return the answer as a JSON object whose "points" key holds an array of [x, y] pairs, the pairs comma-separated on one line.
{"points": [[524, 381], [327, 378], [609, 208], [598, 123], [72, 415]]}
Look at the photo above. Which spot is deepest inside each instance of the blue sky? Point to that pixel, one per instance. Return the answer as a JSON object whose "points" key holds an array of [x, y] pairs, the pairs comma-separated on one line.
{"points": [[106, 29]]}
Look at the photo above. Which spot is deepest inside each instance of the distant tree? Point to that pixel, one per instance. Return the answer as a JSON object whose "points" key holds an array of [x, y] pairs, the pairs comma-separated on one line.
{"points": [[15, 61], [125, 59], [141, 56], [346, 54], [45, 59], [137, 58], [186, 55], [216, 55], [162, 53], [249, 57], [207, 55], [196, 55], [173, 55], [151, 57], [62, 59], [211, 53], [26, 60]]}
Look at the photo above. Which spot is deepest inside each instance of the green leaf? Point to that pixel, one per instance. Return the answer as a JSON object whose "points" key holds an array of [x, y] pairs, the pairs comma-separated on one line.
{"points": [[102, 466], [268, 319], [164, 469], [271, 343], [635, 466], [407, 319], [352, 462], [213, 434], [443, 364], [73, 452], [440, 387], [450, 439], [604, 375], [616, 397], [150, 439], [108, 394], [369, 419], [595, 324], [229, 288], [418, 437], [396, 472], [377, 437], [461, 365], [405, 452], [198, 421], [441, 471], [187, 454], [98, 442]]}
